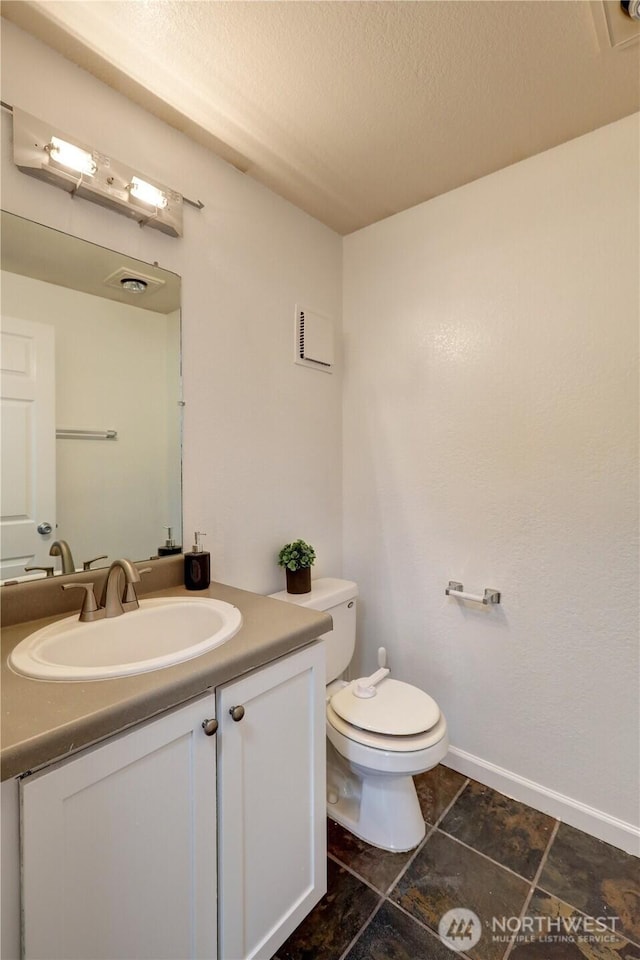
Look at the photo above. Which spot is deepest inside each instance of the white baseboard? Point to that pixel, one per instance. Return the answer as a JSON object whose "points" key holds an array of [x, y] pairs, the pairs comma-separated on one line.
{"points": [[599, 824]]}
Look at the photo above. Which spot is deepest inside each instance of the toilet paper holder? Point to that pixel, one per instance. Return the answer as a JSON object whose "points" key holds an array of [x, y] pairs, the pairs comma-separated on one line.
{"points": [[456, 590]]}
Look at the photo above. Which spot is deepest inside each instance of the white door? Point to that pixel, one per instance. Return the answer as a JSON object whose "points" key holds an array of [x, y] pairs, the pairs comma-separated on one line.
{"points": [[271, 803], [27, 403], [119, 847]]}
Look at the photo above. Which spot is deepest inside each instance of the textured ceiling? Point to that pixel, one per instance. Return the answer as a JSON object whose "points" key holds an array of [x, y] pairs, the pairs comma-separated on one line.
{"points": [[356, 110]]}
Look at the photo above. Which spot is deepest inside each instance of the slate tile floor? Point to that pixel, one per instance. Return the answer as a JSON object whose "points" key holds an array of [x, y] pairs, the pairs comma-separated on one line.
{"points": [[489, 854]]}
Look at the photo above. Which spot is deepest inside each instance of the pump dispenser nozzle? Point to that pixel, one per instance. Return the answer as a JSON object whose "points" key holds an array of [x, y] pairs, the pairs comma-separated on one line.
{"points": [[197, 547], [197, 565], [169, 546]]}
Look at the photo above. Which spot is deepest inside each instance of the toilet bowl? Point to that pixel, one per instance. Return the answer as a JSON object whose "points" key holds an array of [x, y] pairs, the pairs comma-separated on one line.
{"points": [[375, 796], [381, 732]]}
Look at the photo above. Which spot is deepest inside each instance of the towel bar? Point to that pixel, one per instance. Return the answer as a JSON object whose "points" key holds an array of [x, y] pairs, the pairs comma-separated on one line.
{"points": [[63, 434]]}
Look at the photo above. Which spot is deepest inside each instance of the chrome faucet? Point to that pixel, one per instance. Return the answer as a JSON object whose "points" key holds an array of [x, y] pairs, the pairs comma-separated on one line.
{"points": [[60, 548]]}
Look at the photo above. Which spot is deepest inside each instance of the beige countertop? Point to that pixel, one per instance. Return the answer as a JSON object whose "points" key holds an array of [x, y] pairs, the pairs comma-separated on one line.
{"points": [[43, 721]]}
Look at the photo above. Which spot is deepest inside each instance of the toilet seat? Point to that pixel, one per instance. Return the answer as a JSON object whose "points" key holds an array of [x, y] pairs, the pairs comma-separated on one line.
{"points": [[390, 743], [397, 709]]}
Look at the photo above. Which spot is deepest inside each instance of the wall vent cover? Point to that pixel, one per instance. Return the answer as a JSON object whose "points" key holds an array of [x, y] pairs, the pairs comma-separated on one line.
{"points": [[314, 340]]}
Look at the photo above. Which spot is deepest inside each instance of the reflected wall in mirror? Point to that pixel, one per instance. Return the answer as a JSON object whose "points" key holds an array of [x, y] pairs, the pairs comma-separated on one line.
{"points": [[91, 402]]}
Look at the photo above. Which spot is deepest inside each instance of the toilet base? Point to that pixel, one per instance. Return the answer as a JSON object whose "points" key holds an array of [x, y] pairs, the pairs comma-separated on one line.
{"points": [[381, 810]]}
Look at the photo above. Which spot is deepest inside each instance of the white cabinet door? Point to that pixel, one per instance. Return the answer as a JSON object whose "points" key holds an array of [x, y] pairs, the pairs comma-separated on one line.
{"points": [[271, 803], [119, 846]]}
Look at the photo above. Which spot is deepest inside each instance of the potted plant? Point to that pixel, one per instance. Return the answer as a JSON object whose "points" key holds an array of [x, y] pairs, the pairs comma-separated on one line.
{"points": [[297, 558]]}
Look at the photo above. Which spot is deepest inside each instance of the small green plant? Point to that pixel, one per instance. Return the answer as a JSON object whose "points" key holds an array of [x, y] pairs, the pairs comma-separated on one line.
{"points": [[296, 555]]}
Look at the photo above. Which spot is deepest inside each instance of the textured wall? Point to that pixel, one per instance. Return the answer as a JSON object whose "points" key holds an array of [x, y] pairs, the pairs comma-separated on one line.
{"points": [[491, 437], [262, 454]]}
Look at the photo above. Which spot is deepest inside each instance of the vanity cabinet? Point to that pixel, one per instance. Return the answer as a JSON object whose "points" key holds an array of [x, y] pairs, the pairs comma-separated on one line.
{"points": [[271, 803], [125, 852], [119, 846]]}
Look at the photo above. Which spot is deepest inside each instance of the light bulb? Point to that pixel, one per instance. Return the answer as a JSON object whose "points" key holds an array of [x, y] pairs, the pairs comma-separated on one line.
{"points": [[68, 155], [146, 192], [631, 8], [133, 284]]}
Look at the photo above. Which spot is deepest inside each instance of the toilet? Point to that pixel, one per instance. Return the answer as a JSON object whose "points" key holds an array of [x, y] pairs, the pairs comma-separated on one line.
{"points": [[381, 732]]}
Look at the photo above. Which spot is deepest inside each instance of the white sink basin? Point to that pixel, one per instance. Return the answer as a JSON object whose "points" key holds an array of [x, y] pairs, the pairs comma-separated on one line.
{"points": [[162, 632]]}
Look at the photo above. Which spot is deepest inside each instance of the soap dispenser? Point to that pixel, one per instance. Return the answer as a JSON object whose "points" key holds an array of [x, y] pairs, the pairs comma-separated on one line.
{"points": [[169, 547], [197, 566]]}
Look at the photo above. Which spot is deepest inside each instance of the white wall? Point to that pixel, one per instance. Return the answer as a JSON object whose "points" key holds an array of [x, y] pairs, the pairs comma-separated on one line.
{"points": [[491, 437], [262, 457], [117, 367]]}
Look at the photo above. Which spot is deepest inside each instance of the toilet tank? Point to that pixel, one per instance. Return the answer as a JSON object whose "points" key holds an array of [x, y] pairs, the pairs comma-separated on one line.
{"points": [[338, 598]]}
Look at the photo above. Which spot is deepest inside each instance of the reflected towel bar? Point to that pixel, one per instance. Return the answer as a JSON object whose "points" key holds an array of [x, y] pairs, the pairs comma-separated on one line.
{"points": [[86, 434], [456, 590]]}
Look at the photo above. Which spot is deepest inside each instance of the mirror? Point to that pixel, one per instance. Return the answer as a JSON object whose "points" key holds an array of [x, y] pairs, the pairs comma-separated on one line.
{"points": [[91, 402]]}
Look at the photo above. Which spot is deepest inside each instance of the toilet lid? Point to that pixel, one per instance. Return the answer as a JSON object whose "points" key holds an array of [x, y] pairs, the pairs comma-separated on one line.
{"points": [[398, 709]]}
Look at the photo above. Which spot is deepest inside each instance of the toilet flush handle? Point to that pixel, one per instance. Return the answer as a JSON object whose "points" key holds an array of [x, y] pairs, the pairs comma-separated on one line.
{"points": [[365, 687]]}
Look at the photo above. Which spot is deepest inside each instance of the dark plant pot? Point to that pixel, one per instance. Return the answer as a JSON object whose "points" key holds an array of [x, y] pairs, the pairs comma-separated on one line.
{"points": [[299, 581]]}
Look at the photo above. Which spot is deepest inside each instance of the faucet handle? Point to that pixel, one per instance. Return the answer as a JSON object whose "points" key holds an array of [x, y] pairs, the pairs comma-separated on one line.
{"points": [[130, 595], [86, 564], [90, 609], [47, 570]]}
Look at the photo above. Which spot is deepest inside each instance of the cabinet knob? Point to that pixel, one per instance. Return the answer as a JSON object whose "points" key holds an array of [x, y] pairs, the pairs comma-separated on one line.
{"points": [[210, 727], [236, 713]]}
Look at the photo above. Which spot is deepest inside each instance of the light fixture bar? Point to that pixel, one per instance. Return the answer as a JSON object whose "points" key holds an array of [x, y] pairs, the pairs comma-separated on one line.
{"points": [[59, 159]]}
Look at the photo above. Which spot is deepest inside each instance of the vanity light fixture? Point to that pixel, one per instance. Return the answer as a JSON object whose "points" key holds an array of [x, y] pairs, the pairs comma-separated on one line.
{"points": [[61, 160]]}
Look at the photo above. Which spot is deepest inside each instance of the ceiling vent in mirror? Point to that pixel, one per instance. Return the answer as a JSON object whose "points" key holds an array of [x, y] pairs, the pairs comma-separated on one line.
{"points": [[124, 277], [623, 24], [314, 345]]}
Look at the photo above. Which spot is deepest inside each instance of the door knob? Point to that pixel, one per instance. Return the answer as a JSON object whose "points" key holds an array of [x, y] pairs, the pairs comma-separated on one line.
{"points": [[44, 527], [236, 713], [210, 727]]}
